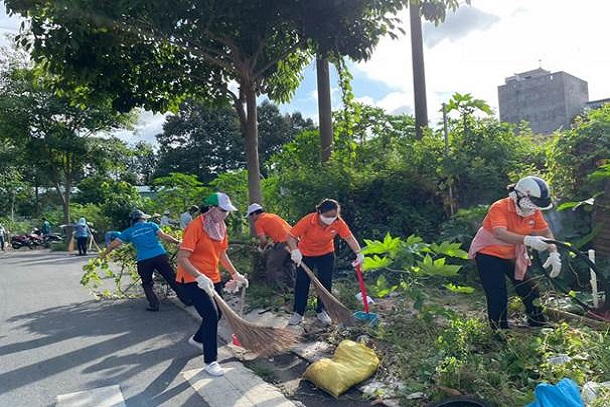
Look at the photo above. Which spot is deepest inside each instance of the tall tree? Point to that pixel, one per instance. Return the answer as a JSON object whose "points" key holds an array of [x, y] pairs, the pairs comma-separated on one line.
{"points": [[157, 54], [435, 11], [58, 137], [202, 141]]}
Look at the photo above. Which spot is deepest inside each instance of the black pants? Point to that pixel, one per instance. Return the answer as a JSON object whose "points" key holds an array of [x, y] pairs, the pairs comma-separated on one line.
{"points": [[207, 334], [81, 244], [493, 272], [160, 263], [324, 265]]}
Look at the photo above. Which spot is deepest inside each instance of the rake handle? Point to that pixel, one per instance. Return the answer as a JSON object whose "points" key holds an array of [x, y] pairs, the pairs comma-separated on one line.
{"points": [[365, 300]]}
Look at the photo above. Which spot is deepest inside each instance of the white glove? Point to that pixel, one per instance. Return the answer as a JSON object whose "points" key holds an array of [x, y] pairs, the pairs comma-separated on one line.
{"points": [[231, 287], [359, 260], [242, 281], [296, 256], [554, 261], [536, 243], [205, 284], [261, 250]]}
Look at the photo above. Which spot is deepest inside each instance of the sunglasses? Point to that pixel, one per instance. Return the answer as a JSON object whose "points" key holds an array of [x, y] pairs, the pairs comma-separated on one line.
{"points": [[221, 210]]}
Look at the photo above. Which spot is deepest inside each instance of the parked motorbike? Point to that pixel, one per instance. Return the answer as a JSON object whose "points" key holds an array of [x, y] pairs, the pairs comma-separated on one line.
{"points": [[48, 239], [19, 241]]}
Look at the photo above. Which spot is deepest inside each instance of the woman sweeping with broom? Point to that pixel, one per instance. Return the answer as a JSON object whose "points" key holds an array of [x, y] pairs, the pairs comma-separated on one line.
{"points": [[311, 241], [204, 247]]}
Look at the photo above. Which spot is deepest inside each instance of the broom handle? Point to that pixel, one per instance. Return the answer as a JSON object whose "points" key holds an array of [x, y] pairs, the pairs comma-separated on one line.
{"points": [[242, 301], [313, 277], [365, 300]]}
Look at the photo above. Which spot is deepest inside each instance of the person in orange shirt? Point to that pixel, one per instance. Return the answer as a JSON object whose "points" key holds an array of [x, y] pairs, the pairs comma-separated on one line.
{"points": [[204, 246], [311, 241], [272, 230], [500, 247]]}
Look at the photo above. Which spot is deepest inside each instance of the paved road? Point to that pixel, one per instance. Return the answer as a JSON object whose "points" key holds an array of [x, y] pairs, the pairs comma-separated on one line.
{"points": [[56, 340]]}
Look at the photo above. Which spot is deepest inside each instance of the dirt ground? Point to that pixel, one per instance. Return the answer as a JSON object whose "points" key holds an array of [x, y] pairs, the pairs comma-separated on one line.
{"points": [[285, 370]]}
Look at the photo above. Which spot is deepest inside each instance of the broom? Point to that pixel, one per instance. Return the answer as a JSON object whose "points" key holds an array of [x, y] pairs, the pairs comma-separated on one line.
{"points": [[336, 311], [264, 340]]}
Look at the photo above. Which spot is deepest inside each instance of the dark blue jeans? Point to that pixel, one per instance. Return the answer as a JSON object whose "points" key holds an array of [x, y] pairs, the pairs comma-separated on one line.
{"points": [[324, 265], [493, 272], [207, 334], [161, 264]]}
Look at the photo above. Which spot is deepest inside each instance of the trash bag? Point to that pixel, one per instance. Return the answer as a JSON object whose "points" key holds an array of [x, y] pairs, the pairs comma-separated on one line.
{"points": [[352, 363], [566, 393]]}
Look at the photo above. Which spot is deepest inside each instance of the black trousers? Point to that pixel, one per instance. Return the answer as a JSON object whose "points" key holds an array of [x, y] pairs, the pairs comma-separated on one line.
{"points": [[81, 244], [206, 307], [324, 265], [160, 263], [493, 272]]}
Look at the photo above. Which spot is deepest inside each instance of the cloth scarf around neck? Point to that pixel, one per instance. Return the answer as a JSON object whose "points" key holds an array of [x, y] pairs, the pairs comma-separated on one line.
{"points": [[215, 229]]}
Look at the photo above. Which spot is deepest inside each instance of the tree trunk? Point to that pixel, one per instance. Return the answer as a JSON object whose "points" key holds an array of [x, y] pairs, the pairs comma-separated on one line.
{"points": [[324, 109], [601, 222], [419, 73], [251, 138]]}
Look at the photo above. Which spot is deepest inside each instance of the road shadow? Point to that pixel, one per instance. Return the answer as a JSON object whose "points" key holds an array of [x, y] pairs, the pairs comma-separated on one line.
{"points": [[123, 325]]}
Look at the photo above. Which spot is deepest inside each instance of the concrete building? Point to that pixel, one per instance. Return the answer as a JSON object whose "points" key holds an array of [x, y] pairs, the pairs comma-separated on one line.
{"points": [[548, 101]]}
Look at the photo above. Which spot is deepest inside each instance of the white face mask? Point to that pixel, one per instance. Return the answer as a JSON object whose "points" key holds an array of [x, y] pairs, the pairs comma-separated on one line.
{"points": [[327, 221]]}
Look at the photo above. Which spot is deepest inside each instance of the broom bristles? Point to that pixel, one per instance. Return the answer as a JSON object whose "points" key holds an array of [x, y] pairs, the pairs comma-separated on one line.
{"points": [[335, 309], [264, 340]]}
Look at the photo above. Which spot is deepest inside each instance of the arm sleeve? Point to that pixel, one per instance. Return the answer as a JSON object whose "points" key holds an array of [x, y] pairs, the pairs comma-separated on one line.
{"points": [[497, 217], [298, 230], [343, 229], [190, 238], [124, 236]]}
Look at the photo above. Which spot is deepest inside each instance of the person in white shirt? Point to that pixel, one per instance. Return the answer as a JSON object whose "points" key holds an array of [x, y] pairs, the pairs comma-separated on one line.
{"points": [[3, 234], [165, 220], [187, 216]]}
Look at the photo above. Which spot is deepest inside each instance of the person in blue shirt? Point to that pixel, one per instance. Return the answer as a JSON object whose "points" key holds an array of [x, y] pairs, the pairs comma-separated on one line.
{"points": [[81, 233], [110, 236], [150, 256], [45, 228]]}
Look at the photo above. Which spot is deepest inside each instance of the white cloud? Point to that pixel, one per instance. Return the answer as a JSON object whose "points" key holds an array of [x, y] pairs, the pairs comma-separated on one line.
{"points": [[148, 125], [559, 35]]}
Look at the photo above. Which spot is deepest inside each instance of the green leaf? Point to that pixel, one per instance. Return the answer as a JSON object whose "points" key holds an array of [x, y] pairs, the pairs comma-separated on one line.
{"points": [[459, 289]]}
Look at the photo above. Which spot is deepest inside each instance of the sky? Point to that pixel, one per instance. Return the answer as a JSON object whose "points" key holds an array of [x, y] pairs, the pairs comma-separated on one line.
{"points": [[473, 51]]}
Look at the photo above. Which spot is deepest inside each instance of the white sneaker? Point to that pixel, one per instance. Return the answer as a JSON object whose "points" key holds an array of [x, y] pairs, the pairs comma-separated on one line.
{"points": [[296, 319], [214, 369], [324, 318], [196, 344]]}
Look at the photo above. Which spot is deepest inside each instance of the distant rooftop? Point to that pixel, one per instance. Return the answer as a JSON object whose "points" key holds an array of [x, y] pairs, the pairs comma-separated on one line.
{"points": [[527, 75]]}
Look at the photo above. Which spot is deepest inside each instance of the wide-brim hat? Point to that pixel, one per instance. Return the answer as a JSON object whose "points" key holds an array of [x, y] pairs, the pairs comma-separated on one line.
{"points": [[253, 208]]}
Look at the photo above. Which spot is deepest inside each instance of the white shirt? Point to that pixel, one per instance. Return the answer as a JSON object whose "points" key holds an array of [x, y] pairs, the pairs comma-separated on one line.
{"points": [[185, 219], [165, 221]]}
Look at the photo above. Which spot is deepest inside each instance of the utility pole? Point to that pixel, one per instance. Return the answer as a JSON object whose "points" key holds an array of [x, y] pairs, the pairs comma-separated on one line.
{"points": [[324, 108], [419, 73]]}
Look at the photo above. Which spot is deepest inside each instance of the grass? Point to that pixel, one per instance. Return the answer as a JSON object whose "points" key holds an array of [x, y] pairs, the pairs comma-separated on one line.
{"points": [[446, 347]]}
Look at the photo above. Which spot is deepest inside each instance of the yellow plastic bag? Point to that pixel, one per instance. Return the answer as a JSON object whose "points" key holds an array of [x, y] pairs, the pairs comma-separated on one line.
{"points": [[352, 363]]}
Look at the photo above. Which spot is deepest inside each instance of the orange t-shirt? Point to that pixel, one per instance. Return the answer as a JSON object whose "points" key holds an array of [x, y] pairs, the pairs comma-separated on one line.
{"points": [[315, 239], [502, 214], [271, 225], [205, 252]]}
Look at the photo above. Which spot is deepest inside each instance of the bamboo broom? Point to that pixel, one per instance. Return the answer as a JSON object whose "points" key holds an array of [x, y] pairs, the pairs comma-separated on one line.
{"points": [[264, 340], [336, 311]]}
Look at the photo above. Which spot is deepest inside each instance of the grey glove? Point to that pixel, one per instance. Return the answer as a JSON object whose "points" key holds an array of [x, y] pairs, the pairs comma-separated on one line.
{"points": [[536, 242]]}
